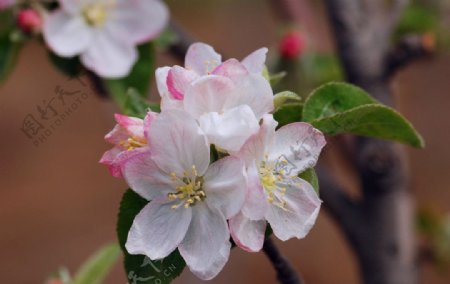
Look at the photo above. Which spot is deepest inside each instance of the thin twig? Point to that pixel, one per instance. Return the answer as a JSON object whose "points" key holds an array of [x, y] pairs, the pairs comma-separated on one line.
{"points": [[286, 273]]}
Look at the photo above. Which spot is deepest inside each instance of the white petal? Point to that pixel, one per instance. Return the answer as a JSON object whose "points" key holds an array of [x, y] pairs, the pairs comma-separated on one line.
{"points": [[256, 146], [139, 21], [146, 178], [67, 35], [225, 186], [255, 62], [299, 145], [300, 213], [229, 130], [202, 58], [180, 143], [161, 80], [206, 247], [247, 234], [158, 229], [252, 90], [208, 94], [108, 56], [256, 205], [71, 6]]}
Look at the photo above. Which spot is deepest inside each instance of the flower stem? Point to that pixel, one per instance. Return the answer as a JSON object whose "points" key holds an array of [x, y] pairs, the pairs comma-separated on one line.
{"points": [[286, 273]]}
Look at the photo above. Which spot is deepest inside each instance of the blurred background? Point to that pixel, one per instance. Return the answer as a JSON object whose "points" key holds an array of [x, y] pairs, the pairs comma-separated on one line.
{"points": [[58, 204]]}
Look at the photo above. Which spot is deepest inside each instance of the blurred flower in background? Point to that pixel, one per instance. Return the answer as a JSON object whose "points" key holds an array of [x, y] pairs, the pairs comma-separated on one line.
{"points": [[104, 33]]}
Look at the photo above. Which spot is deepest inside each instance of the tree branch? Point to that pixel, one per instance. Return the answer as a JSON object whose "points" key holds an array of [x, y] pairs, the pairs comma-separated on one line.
{"points": [[407, 50], [183, 40], [286, 274]]}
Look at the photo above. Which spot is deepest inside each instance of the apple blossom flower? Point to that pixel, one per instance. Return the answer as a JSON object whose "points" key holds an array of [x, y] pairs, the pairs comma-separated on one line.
{"points": [[129, 136], [104, 32], [201, 60], [227, 99], [275, 193], [190, 200]]}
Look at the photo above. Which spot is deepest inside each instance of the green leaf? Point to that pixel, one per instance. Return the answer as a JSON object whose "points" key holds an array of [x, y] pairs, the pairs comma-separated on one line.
{"points": [[283, 97], [276, 78], [374, 121], [96, 268], [338, 108], [310, 176], [70, 67], [9, 51], [334, 98], [139, 77], [288, 113], [138, 266], [137, 106]]}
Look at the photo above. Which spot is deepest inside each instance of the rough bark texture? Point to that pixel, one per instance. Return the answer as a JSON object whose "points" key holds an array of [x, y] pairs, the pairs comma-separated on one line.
{"points": [[380, 229]]}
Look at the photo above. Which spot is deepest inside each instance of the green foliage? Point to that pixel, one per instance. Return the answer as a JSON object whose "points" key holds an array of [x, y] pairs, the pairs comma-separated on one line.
{"points": [[338, 108], [284, 97], [310, 176], [96, 268], [137, 106], [139, 77], [417, 18], [288, 113], [9, 48], [161, 271]]}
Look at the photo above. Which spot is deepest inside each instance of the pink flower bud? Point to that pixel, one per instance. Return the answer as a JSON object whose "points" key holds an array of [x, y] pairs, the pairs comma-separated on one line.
{"points": [[29, 20], [292, 45]]}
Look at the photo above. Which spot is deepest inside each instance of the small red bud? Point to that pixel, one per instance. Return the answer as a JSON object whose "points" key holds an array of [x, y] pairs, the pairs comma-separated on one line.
{"points": [[29, 20], [292, 45]]}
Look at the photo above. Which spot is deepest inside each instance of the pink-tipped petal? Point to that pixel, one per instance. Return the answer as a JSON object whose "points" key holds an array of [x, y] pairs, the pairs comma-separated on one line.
{"points": [[225, 186], [206, 247], [255, 62], [133, 125], [108, 159], [202, 58], [300, 212], [158, 229], [231, 69], [299, 145], [67, 35], [247, 234], [178, 81], [180, 144]]}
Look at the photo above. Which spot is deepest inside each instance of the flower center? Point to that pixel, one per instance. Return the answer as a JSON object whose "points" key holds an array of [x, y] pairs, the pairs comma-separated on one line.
{"points": [[95, 14], [133, 143], [189, 189], [270, 177]]}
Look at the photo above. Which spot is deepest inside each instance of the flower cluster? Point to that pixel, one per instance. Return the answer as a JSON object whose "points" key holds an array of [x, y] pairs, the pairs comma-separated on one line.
{"points": [[213, 165]]}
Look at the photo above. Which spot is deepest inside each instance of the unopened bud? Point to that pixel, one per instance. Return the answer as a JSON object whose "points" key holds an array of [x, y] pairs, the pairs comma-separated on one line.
{"points": [[29, 21], [292, 45]]}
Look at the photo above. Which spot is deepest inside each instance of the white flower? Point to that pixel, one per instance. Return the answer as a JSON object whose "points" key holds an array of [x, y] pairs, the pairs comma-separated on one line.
{"points": [[227, 99], [104, 32], [201, 60], [275, 192], [190, 199]]}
